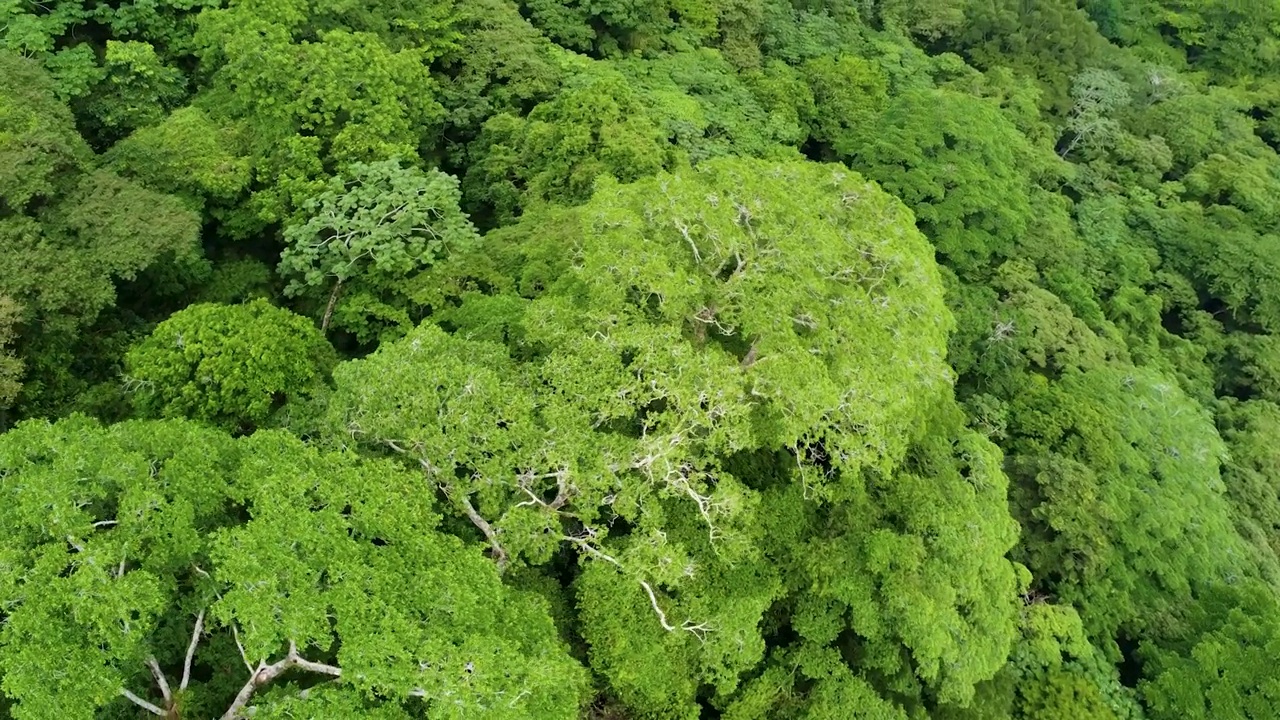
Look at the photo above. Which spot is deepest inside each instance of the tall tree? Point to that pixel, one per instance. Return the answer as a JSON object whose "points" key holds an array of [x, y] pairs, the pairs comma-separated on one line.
{"points": [[166, 568]]}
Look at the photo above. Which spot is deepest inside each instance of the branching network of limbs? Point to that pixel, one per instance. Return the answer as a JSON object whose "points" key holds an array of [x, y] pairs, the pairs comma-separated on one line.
{"points": [[586, 541]]}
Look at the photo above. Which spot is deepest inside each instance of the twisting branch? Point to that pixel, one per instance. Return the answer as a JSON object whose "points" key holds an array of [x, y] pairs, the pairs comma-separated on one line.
{"points": [[563, 491], [142, 703], [265, 673], [191, 652], [653, 600]]}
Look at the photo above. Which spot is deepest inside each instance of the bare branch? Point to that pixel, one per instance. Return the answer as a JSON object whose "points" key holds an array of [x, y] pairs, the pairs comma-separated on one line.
{"points": [[104, 523], [142, 703], [593, 551], [191, 651], [653, 600], [161, 682], [328, 311], [236, 634], [698, 630], [563, 491], [264, 674], [315, 667]]}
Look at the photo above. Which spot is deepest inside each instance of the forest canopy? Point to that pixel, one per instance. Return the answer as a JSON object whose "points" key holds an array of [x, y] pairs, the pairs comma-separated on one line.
{"points": [[654, 360]]}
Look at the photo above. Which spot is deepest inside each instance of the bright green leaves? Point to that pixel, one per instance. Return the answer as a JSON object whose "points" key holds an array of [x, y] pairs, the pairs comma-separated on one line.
{"points": [[231, 365], [707, 110], [742, 309], [1226, 670], [120, 537], [598, 125], [311, 101], [187, 155], [337, 547], [794, 297], [101, 527], [913, 565], [367, 230]]}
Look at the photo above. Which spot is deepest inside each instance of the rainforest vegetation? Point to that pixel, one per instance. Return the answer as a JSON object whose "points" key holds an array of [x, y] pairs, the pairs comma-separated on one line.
{"points": [[640, 359]]}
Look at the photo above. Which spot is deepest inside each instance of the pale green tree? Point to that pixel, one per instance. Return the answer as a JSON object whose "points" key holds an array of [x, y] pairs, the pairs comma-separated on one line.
{"points": [[625, 379], [364, 233]]}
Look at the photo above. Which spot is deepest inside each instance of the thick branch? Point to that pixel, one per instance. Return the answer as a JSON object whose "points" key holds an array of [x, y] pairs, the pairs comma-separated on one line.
{"points": [[161, 682], [142, 703], [267, 673], [191, 651]]}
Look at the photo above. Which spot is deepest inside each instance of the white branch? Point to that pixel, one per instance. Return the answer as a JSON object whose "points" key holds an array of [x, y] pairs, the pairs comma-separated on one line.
{"points": [[653, 600], [161, 682], [236, 635], [698, 630], [264, 674], [499, 554], [142, 703], [191, 651]]}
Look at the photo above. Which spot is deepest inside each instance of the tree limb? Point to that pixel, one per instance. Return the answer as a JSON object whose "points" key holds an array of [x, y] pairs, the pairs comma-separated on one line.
{"points": [[142, 703], [499, 554], [191, 651], [235, 634], [264, 674], [161, 682], [333, 300]]}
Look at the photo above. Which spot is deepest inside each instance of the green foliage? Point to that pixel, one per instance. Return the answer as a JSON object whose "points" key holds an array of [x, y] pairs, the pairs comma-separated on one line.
{"points": [[1225, 671], [700, 102], [121, 539], [137, 91], [610, 28], [186, 155], [1120, 494], [597, 125], [501, 65], [309, 100], [977, 425], [743, 307], [70, 233], [366, 231], [10, 366], [963, 168], [230, 365]]}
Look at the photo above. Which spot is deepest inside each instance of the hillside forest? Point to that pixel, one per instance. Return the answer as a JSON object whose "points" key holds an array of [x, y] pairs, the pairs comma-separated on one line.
{"points": [[640, 359]]}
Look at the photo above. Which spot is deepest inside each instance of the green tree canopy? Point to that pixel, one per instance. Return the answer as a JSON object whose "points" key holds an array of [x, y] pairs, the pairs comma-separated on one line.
{"points": [[166, 567], [364, 232], [68, 232], [740, 309], [231, 365]]}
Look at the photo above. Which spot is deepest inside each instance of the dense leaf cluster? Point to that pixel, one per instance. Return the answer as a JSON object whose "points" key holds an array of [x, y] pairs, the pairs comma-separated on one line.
{"points": [[660, 359]]}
